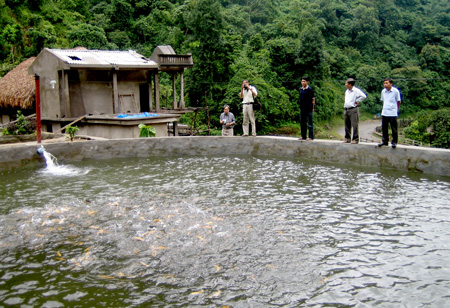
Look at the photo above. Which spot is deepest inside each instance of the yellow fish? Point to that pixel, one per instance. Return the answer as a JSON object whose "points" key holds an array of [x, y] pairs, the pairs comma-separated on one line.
{"points": [[201, 238]]}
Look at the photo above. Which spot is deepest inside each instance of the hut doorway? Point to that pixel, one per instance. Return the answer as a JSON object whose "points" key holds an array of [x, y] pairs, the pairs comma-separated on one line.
{"points": [[144, 98]]}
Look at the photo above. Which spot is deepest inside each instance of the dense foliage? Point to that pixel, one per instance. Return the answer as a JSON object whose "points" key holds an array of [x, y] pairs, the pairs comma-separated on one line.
{"points": [[270, 42], [431, 128]]}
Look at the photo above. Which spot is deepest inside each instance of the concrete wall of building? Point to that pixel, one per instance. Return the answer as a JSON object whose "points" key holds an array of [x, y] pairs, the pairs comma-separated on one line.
{"points": [[118, 132], [4, 118], [90, 91], [47, 69], [405, 158]]}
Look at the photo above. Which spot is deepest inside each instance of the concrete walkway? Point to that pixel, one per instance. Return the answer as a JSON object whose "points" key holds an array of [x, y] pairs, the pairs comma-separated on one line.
{"points": [[406, 158], [366, 129]]}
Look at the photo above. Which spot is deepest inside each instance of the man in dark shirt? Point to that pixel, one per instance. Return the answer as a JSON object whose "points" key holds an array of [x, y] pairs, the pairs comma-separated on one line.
{"points": [[307, 102]]}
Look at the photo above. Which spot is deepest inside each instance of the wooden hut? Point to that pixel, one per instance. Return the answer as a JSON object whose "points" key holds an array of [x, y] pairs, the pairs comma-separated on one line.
{"points": [[17, 92]]}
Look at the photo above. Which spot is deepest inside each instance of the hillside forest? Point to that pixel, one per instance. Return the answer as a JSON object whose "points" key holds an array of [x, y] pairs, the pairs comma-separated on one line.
{"points": [[272, 43]]}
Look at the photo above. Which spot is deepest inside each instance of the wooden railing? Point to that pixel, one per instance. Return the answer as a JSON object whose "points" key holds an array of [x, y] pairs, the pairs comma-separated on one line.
{"points": [[181, 60]]}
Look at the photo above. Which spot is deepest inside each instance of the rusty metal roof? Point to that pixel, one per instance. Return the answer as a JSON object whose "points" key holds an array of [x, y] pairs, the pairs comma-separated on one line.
{"points": [[103, 58]]}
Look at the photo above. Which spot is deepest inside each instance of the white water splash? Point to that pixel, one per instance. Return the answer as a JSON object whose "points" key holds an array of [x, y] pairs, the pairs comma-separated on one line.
{"points": [[50, 159], [54, 169]]}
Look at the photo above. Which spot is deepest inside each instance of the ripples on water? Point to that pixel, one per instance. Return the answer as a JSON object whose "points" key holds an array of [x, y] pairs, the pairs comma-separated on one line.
{"points": [[217, 231]]}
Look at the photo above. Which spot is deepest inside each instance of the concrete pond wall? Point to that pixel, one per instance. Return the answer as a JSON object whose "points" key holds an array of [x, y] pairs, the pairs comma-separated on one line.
{"points": [[406, 158]]}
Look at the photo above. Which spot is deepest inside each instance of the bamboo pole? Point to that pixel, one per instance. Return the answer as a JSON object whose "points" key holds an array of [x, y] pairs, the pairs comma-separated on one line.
{"points": [[77, 120]]}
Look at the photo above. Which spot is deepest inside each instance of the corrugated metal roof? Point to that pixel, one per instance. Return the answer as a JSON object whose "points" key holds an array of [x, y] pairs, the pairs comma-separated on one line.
{"points": [[103, 58]]}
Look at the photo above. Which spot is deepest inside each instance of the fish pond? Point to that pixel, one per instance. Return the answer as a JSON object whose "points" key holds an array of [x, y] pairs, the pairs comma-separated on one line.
{"points": [[228, 231]]}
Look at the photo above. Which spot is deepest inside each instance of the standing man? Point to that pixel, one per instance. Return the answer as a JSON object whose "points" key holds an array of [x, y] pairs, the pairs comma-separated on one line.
{"points": [[307, 103], [391, 98], [353, 97], [247, 93], [227, 120]]}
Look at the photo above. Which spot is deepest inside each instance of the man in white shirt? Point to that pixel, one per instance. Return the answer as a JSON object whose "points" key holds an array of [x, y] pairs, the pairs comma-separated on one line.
{"points": [[248, 92], [391, 98], [353, 97]]}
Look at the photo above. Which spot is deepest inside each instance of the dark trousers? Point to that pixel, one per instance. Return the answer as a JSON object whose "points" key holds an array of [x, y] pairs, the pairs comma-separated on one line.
{"points": [[351, 119], [385, 122], [306, 123]]}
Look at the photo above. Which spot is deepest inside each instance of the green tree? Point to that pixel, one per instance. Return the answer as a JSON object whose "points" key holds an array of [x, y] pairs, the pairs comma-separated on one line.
{"points": [[309, 57], [440, 134], [120, 14], [88, 36], [365, 27], [43, 35], [431, 58], [205, 25], [11, 37], [120, 39]]}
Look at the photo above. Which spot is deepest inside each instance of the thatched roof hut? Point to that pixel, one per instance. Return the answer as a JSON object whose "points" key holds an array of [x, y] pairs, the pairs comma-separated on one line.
{"points": [[17, 88]]}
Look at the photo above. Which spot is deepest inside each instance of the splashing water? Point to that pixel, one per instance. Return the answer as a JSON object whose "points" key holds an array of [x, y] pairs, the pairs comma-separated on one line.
{"points": [[54, 169], [50, 159]]}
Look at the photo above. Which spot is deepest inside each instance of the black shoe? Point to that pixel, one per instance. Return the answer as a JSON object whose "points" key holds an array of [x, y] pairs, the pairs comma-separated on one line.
{"points": [[381, 144], [394, 145]]}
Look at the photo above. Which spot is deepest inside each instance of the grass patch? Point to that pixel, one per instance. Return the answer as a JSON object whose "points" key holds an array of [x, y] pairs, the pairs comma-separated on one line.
{"points": [[328, 130], [288, 129]]}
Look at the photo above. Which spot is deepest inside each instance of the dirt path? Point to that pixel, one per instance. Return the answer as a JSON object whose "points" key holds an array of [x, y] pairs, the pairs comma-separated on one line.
{"points": [[366, 129]]}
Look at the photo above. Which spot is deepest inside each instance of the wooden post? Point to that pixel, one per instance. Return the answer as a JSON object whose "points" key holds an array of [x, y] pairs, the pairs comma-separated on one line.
{"points": [[115, 93], [150, 91], [157, 99], [182, 104], [175, 128], [174, 90], [65, 104]]}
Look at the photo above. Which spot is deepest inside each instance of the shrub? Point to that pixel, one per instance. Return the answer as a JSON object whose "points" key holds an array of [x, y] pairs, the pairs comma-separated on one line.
{"points": [[440, 132], [22, 126], [71, 131]]}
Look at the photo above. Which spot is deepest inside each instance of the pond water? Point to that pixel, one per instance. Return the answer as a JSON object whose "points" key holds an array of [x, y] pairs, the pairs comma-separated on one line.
{"points": [[223, 232]]}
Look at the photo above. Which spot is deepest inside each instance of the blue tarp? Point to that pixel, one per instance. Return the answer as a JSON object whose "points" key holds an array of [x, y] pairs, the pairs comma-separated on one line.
{"points": [[139, 115]]}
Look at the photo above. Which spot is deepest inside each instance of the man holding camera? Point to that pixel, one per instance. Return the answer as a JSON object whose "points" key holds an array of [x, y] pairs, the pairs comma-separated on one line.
{"points": [[227, 120], [248, 92]]}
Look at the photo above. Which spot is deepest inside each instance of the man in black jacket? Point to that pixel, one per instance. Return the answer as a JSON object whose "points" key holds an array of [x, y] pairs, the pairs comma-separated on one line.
{"points": [[307, 103]]}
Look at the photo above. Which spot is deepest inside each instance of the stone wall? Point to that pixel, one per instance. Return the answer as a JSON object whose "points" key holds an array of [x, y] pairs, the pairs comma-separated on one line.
{"points": [[406, 158]]}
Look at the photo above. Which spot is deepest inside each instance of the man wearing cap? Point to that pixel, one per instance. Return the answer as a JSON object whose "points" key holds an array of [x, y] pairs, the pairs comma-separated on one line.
{"points": [[353, 97]]}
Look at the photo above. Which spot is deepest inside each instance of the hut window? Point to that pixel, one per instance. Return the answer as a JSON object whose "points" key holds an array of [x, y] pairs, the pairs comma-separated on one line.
{"points": [[75, 58]]}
